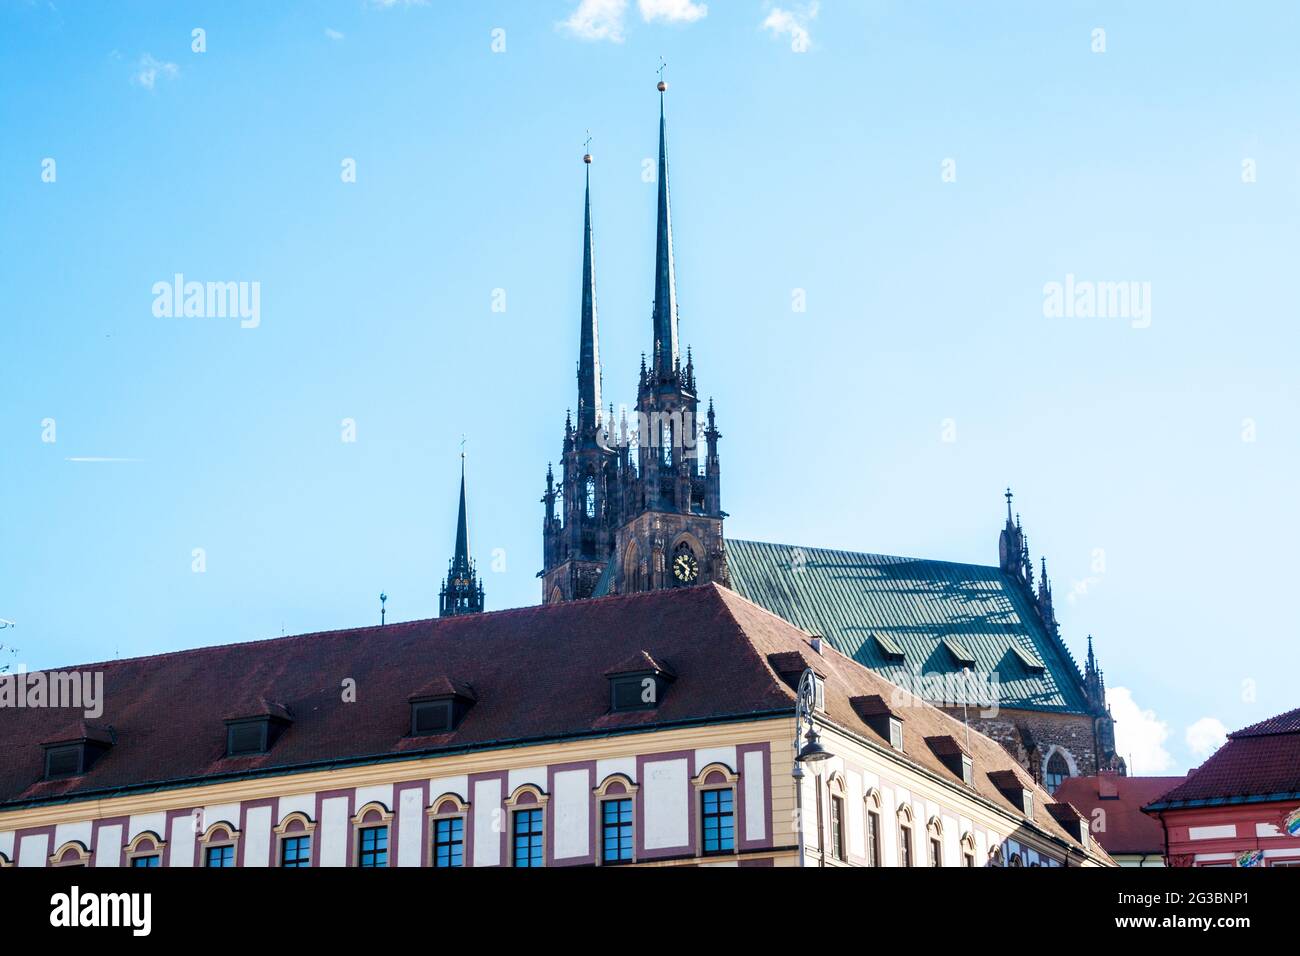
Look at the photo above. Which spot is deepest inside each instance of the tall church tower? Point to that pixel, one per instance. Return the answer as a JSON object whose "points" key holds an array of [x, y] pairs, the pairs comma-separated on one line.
{"points": [[638, 510], [578, 527], [461, 593]]}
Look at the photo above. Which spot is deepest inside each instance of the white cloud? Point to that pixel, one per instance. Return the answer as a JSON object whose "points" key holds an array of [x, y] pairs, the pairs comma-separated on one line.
{"points": [[333, 34], [793, 22], [148, 71], [597, 20], [1139, 734], [672, 11], [1206, 736]]}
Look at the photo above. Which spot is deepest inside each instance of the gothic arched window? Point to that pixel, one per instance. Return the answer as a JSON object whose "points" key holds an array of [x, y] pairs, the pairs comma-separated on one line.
{"points": [[666, 443], [590, 495], [1057, 770]]}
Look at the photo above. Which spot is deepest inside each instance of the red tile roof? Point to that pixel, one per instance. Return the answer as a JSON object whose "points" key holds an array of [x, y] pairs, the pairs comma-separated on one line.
{"points": [[1257, 762], [537, 674], [1126, 829]]}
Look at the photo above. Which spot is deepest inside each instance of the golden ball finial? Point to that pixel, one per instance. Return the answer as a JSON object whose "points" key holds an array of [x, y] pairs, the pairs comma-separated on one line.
{"points": [[587, 159], [662, 86]]}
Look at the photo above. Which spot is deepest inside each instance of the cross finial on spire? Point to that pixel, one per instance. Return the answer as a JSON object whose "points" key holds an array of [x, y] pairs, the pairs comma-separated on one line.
{"points": [[1008, 496], [662, 66]]}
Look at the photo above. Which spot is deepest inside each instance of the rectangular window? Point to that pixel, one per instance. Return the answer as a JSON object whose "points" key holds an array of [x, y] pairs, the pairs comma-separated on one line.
{"points": [[528, 838], [873, 839], [895, 733], [144, 861], [295, 852], [220, 856], [837, 828], [616, 830], [374, 847], [905, 846], [449, 842], [936, 852], [719, 821]]}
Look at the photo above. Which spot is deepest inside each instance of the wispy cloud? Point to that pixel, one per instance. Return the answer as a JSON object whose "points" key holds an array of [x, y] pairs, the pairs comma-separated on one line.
{"points": [[333, 34], [1139, 734], [597, 20], [149, 71], [1206, 736], [672, 11], [793, 23]]}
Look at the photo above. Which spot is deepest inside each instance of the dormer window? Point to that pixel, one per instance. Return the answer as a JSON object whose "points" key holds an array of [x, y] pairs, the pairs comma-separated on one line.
{"points": [[876, 713], [71, 757], [890, 651], [1014, 789], [1071, 821], [254, 729], [960, 656], [639, 683], [440, 707], [954, 756]]}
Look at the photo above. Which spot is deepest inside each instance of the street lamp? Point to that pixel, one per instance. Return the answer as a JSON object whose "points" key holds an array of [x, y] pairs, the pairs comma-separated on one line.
{"points": [[811, 752]]}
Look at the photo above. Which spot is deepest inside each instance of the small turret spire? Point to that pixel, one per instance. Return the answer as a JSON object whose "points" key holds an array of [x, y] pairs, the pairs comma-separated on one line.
{"points": [[461, 593]]}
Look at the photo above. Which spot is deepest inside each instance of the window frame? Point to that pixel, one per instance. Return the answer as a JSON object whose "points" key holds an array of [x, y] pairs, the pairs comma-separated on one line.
{"points": [[445, 808], [156, 847], [527, 798], [372, 816], [875, 833], [715, 777], [294, 826], [219, 835], [906, 848], [616, 786]]}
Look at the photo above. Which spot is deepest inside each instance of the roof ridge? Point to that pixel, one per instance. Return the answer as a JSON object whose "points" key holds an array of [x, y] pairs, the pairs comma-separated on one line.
{"points": [[870, 554]]}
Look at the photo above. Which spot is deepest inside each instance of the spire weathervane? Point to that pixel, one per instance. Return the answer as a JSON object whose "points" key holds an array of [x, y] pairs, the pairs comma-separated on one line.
{"points": [[586, 149], [662, 66]]}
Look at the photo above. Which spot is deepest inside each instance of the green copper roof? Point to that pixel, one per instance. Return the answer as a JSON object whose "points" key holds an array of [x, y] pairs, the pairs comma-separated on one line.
{"points": [[920, 607]]}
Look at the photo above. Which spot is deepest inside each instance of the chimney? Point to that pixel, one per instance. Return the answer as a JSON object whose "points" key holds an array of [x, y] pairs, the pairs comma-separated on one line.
{"points": [[1106, 788]]}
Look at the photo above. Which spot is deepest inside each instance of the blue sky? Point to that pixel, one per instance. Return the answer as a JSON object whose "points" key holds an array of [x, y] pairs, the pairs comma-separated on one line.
{"points": [[923, 377]]}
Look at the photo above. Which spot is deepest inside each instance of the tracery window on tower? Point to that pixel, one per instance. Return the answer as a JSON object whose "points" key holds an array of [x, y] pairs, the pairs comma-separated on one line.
{"points": [[590, 496]]}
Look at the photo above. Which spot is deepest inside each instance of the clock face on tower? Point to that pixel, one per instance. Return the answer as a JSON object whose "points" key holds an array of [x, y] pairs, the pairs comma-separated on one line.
{"points": [[685, 568]]}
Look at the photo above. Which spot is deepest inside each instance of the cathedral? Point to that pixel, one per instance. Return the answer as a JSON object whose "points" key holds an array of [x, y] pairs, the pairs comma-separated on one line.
{"points": [[637, 507]]}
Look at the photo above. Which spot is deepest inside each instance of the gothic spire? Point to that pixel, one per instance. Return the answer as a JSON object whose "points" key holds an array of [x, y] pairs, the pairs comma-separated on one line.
{"points": [[589, 345], [665, 310], [461, 593], [461, 558]]}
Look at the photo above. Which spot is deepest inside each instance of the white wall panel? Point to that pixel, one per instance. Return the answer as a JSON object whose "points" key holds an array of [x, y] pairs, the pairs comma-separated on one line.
{"points": [[108, 846], [410, 829], [333, 831], [667, 804], [180, 842], [488, 819], [257, 837], [571, 803], [755, 795]]}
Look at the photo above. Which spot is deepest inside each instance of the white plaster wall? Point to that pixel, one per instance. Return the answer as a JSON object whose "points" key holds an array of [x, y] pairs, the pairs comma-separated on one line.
{"points": [[534, 775], [180, 842], [571, 805], [383, 793], [257, 837], [1212, 833], [707, 755], [488, 819], [951, 841], [458, 785], [981, 848], [333, 831], [154, 822], [755, 795], [410, 829], [624, 765], [667, 804], [108, 846], [34, 850], [889, 825], [219, 813], [79, 831], [298, 803]]}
